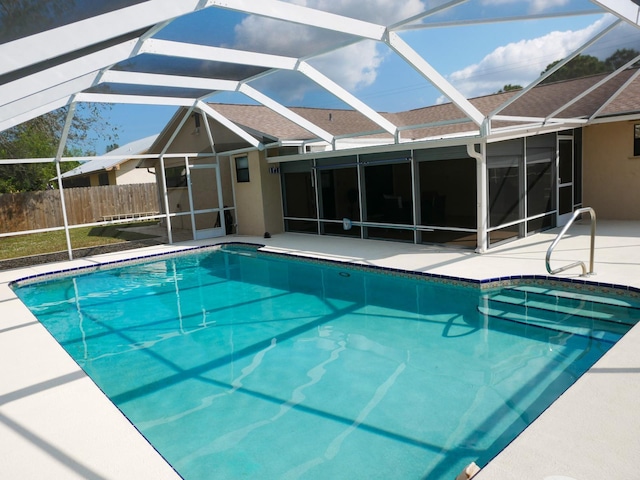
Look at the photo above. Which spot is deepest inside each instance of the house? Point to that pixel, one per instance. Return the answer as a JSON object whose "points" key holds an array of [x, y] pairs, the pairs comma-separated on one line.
{"points": [[116, 167], [443, 181]]}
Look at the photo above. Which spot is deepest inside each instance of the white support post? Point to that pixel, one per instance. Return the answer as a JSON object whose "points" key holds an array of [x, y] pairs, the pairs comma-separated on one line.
{"points": [[165, 197], [223, 224], [482, 208], [221, 213], [164, 179], [192, 215], [61, 145]]}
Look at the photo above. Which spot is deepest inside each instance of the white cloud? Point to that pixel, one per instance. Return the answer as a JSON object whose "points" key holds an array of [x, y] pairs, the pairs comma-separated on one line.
{"points": [[519, 63], [535, 6], [352, 67]]}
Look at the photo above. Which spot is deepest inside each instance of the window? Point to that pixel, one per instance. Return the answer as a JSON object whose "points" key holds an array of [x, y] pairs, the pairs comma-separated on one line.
{"points": [[103, 179], [636, 140], [176, 177], [242, 169]]}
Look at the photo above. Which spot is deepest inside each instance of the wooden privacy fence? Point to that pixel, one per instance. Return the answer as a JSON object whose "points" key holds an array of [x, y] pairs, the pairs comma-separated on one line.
{"points": [[36, 210]]}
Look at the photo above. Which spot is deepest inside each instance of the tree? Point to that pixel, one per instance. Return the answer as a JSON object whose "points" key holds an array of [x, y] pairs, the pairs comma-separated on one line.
{"points": [[580, 66], [111, 147], [40, 138], [509, 88], [619, 58], [584, 65]]}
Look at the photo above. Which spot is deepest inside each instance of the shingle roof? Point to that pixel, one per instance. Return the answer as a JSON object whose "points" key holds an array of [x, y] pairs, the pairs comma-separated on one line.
{"points": [[262, 119], [540, 101]]}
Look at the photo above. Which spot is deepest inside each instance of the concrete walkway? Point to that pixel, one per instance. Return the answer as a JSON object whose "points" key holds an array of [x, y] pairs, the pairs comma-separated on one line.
{"points": [[55, 423]]}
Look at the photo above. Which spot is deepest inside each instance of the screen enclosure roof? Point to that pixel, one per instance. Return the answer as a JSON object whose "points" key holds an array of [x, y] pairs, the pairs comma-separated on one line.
{"points": [[189, 54]]}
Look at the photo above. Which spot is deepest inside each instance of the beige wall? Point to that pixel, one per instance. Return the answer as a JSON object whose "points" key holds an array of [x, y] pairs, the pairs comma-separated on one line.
{"points": [[611, 175], [272, 198], [249, 205], [125, 174], [259, 201], [129, 174]]}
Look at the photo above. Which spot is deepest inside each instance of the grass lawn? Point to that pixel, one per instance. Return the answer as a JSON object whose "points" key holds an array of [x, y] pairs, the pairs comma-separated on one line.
{"points": [[50, 242]]}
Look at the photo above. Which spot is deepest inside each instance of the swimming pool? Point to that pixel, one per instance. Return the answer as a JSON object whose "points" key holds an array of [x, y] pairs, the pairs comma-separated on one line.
{"points": [[238, 365]]}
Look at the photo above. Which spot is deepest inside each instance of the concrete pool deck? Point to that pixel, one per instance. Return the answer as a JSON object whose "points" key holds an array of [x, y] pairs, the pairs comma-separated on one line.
{"points": [[55, 423]]}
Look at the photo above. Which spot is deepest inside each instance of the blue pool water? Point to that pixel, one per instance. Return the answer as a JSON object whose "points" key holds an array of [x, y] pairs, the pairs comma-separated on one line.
{"points": [[239, 365]]}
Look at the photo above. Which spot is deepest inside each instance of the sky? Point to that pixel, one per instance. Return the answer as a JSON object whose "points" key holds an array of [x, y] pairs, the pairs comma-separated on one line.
{"points": [[476, 59]]}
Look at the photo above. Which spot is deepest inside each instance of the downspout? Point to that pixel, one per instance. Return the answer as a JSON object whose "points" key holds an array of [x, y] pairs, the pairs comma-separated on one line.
{"points": [[482, 210]]}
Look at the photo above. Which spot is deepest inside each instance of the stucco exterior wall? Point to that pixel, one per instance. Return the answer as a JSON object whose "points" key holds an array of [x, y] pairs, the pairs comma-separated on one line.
{"points": [[271, 198], [259, 201], [249, 207], [128, 174], [611, 174]]}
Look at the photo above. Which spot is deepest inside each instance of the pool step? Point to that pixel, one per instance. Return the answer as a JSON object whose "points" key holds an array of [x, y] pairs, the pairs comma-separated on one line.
{"points": [[584, 314], [599, 299], [605, 331], [591, 306]]}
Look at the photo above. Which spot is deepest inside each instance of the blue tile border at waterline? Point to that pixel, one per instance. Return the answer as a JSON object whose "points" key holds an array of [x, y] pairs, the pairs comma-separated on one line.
{"points": [[84, 269], [484, 284]]}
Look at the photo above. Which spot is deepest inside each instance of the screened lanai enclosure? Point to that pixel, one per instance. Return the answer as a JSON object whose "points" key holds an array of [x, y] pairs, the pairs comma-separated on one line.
{"points": [[277, 125], [430, 195]]}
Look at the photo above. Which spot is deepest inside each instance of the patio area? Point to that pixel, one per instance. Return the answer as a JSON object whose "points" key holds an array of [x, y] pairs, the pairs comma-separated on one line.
{"points": [[57, 424]]}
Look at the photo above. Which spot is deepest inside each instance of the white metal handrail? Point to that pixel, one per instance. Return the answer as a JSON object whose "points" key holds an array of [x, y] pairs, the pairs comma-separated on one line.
{"points": [[576, 214]]}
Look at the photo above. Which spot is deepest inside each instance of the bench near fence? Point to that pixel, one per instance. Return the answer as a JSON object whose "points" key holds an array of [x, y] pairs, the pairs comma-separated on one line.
{"points": [[125, 216]]}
